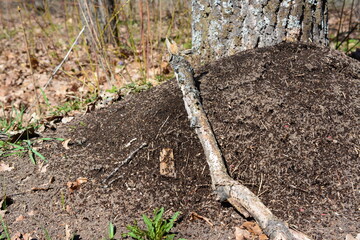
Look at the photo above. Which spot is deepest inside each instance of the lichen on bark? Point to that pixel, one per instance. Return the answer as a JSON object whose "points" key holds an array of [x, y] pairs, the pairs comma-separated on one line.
{"points": [[223, 27]]}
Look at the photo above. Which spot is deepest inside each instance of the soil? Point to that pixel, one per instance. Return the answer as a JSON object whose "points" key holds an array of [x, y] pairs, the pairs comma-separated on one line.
{"points": [[287, 121]]}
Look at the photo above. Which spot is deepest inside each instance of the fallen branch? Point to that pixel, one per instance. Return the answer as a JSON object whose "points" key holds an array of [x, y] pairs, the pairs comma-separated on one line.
{"points": [[226, 188]]}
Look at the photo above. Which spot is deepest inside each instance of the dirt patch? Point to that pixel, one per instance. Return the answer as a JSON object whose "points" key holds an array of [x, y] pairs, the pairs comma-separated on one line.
{"points": [[287, 121]]}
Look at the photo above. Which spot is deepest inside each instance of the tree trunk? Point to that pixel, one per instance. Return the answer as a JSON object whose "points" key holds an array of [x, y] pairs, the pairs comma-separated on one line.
{"points": [[221, 28], [98, 17]]}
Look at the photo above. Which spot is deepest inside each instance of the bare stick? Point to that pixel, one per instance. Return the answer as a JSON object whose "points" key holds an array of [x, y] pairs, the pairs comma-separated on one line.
{"points": [[38, 110], [127, 160], [65, 58], [226, 188]]}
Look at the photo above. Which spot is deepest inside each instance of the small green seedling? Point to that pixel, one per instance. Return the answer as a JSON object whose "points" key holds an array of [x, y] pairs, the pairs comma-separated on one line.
{"points": [[111, 232], [157, 228], [5, 234], [47, 235]]}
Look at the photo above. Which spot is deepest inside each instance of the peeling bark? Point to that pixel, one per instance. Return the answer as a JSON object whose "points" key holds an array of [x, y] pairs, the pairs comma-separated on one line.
{"points": [[223, 27], [223, 185]]}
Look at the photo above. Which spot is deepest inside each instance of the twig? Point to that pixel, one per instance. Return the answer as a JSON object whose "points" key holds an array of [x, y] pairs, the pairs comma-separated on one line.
{"points": [[162, 125], [65, 58], [59, 66], [127, 160]]}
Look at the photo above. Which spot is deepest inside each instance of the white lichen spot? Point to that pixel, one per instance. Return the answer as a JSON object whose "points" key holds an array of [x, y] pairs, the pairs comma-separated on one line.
{"points": [[312, 2], [266, 21], [196, 39], [217, 2], [286, 3], [284, 22], [293, 22], [228, 6], [214, 30]]}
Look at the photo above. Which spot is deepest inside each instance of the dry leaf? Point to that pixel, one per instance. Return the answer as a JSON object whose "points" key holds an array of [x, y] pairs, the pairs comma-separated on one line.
{"points": [[17, 236], [19, 218], [67, 119], [76, 185], [69, 210], [194, 216], [172, 47], [20, 236], [81, 180], [42, 167], [253, 231], [167, 163], [252, 227], [263, 237], [241, 234], [5, 167], [65, 143]]}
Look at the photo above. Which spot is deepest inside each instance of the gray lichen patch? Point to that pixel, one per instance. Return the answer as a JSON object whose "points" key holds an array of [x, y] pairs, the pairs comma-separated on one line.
{"points": [[223, 27]]}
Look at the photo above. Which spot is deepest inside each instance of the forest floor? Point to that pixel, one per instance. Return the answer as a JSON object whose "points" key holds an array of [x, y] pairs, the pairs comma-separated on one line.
{"points": [[287, 121]]}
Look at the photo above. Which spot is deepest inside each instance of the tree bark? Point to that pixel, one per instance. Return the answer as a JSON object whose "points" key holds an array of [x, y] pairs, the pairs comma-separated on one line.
{"points": [[221, 28], [98, 16]]}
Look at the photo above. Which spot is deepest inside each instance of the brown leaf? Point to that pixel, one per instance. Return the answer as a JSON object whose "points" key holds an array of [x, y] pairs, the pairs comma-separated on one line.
{"points": [[167, 164], [19, 218], [5, 167], [20, 236], [252, 227], [241, 234], [194, 216], [172, 47], [81, 180], [65, 143], [72, 186], [263, 237]]}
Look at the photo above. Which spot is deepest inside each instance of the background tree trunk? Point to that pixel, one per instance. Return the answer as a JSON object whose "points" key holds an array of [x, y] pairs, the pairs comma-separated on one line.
{"points": [[98, 16], [221, 28]]}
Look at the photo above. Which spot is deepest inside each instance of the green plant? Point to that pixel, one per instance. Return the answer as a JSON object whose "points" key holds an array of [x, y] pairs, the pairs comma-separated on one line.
{"points": [[12, 120], [111, 232], [8, 149], [71, 105], [5, 233], [47, 235], [161, 78], [113, 89], [134, 87], [62, 200], [157, 227]]}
